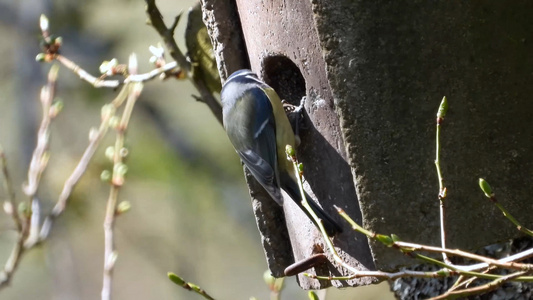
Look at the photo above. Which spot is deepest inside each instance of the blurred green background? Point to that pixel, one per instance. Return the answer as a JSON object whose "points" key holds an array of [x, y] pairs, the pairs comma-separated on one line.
{"points": [[191, 212]]}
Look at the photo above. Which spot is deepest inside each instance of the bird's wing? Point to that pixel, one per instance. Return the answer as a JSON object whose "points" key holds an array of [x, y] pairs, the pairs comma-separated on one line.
{"points": [[261, 156], [263, 173]]}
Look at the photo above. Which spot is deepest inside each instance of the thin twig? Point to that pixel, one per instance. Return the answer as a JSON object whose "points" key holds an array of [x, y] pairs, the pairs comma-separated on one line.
{"points": [[40, 156], [131, 90], [98, 82], [479, 289], [414, 274], [94, 81], [30, 233], [487, 190], [383, 275], [408, 248], [27, 232], [456, 252], [442, 189], [189, 286], [95, 137], [510, 217], [447, 270], [461, 281], [110, 254], [35, 221], [12, 262]]}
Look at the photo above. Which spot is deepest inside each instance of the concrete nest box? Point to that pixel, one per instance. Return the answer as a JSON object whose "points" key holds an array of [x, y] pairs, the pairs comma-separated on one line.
{"points": [[373, 74]]}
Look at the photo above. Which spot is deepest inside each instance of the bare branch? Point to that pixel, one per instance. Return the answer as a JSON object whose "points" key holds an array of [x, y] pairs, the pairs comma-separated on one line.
{"points": [[167, 34], [503, 263], [98, 82], [95, 137], [12, 262], [117, 180], [485, 288], [27, 232], [40, 155]]}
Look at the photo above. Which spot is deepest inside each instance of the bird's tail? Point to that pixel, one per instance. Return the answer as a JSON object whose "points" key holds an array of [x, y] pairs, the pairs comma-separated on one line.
{"points": [[331, 226]]}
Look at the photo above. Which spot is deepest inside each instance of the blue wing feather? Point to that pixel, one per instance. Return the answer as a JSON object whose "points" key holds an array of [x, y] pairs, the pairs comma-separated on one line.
{"points": [[261, 159], [252, 131]]}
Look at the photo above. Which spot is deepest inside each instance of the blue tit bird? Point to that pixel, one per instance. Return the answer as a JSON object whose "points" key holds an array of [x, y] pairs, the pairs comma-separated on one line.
{"points": [[259, 130]]}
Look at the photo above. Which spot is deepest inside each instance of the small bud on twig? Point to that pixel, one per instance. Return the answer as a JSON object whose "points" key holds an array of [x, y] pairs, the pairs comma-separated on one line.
{"points": [[312, 296], [111, 260], [123, 207], [93, 134], [41, 57], [105, 176], [301, 168], [58, 41], [43, 23], [443, 108], [124, 152], [268, 278], [176, 279], [107, 111], [385, 240], [120, 169], [114, 122], [291, 153], [8, 208], [24, 209], [485, 187], [55, 109], [110, 153]]}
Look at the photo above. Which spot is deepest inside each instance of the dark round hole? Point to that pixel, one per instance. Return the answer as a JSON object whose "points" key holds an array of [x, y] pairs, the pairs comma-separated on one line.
{"points": [[285, 78]]}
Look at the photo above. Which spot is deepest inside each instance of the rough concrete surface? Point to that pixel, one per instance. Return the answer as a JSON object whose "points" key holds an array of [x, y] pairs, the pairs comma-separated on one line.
{"points": [[389, 64], [374, 73]]}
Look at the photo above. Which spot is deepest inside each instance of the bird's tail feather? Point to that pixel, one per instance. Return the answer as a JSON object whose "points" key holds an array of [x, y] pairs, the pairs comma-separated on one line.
{"points": [[331, 226]]}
